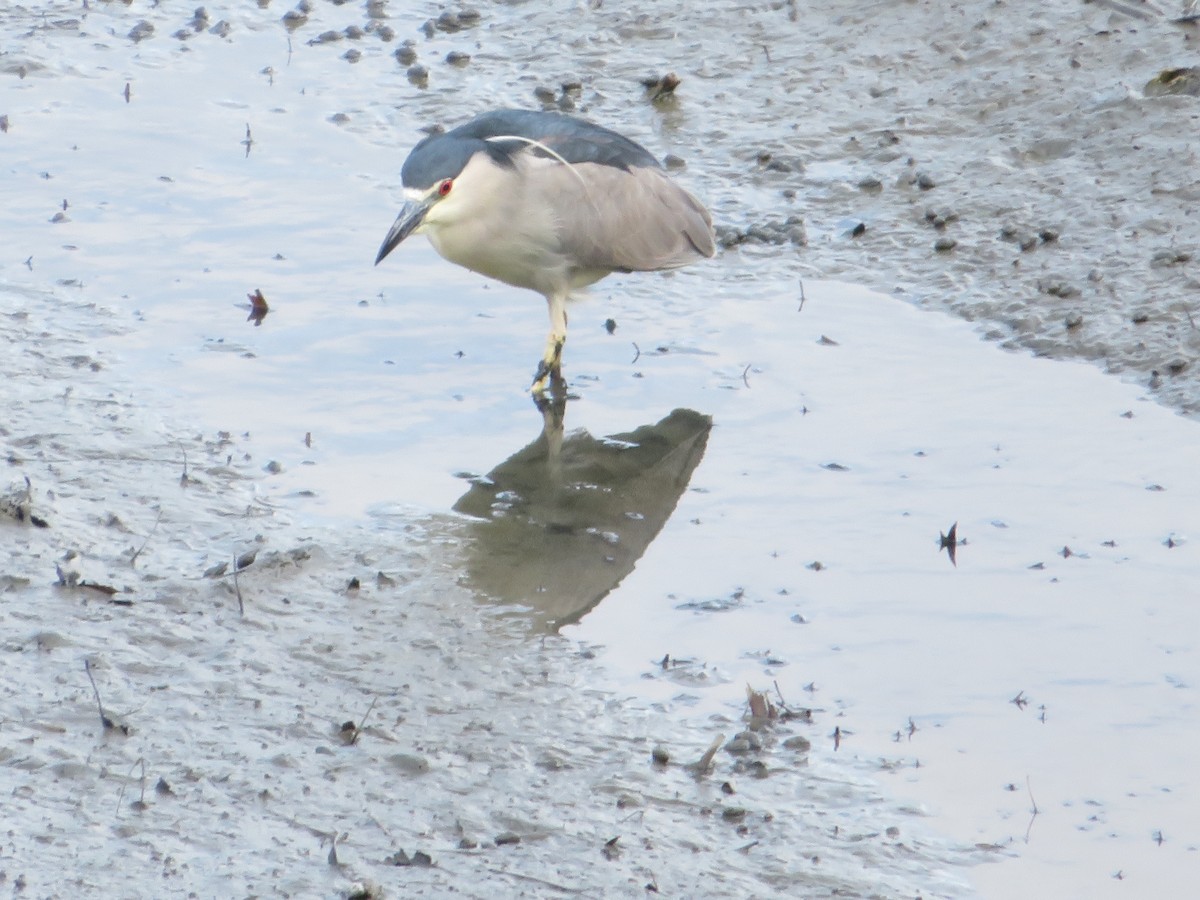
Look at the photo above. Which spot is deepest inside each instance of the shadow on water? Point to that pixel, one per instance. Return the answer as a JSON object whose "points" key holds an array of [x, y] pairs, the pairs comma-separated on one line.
{"points": [[560, 523]]}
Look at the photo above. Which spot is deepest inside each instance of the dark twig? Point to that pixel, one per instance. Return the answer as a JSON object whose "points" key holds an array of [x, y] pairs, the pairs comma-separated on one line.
{"points": [[238, 589], [183, 479], [104, 720]]}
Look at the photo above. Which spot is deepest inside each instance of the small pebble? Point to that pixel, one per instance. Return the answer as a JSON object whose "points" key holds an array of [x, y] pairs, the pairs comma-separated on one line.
{"points": [[406, 54], [141, 31], [799, 743], [945, 245], [449, 22]]}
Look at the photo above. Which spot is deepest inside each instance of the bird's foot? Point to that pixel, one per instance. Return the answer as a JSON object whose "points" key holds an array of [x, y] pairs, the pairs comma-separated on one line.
{"points": [[549, 370], [548, 378]]}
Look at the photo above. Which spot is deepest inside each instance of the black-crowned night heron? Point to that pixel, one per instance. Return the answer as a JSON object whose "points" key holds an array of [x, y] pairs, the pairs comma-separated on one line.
{"points": [[549, 202]]}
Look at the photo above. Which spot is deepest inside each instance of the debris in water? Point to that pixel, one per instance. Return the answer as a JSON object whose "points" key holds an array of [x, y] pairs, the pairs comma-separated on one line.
{"points": [[949, 542], [659, 87], [258, 306], [703, 765]]}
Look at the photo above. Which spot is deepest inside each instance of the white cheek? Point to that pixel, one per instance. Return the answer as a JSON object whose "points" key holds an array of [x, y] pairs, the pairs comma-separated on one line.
{"points": [[445, 211]]}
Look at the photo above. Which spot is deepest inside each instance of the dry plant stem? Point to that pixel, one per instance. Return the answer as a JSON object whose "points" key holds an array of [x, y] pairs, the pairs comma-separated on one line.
{"points": [[138, 551], [104, 720], [363, 721], [142, 798], [183, 479], [237, 589]]}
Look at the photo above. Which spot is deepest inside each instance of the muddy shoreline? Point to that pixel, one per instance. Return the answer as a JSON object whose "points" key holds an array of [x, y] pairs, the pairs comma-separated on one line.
{"points": [[1000, 164]]}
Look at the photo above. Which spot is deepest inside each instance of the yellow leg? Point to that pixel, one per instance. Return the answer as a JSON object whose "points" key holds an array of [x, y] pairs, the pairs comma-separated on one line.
{"points": [[549, 370]]}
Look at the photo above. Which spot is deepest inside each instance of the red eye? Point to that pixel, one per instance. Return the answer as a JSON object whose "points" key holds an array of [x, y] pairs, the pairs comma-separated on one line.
{"points": [[444, 187]]}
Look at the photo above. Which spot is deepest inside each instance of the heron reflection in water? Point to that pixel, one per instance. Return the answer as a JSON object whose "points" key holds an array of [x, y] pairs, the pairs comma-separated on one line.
{"points": [[560, 523]]}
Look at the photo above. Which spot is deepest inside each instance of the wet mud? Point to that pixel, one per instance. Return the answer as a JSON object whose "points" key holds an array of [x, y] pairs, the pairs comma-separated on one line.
{"points": [[317, 603]]}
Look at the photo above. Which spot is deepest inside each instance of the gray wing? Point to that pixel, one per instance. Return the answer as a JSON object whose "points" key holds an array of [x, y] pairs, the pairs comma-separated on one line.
{"points": [[575, 140], [615, 219]]}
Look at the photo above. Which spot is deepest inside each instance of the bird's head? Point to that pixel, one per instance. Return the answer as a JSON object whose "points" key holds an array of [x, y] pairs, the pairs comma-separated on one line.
{"points": [[432, 185]]}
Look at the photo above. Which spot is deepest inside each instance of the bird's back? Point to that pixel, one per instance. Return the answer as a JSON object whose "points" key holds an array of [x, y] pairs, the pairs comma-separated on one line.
{"points": [[586, 201]]}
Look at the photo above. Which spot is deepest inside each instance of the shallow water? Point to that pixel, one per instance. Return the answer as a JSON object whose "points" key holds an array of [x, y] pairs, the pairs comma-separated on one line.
{"points": [[849, 430]]}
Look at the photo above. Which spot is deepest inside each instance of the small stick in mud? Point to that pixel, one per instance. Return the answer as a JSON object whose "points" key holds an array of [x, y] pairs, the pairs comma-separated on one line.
{"points": [[352, 732], [138, 551], [237, 589], [139, 804], [104, 720], [183, 479], [108, 723]]}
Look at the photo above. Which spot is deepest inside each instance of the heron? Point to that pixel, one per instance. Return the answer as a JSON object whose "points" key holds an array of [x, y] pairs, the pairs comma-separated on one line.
{"points": [[548, 202]]}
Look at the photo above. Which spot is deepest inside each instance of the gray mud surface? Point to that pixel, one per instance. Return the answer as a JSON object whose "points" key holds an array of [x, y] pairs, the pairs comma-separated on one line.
{"points": [[342, 718], [431, 675]]}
